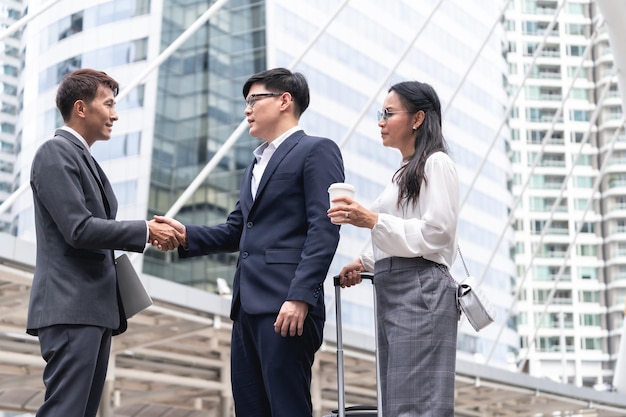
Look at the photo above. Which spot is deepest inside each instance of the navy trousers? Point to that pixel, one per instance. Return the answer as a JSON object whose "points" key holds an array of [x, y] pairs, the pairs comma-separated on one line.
{"points": [[271, 374]]}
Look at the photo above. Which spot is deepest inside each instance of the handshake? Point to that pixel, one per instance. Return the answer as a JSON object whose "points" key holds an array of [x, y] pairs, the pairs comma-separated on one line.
{"points": [[166, 233]]}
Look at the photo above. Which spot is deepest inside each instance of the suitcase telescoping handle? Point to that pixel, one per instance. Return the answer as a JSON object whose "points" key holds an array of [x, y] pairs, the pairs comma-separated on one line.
{"points": [[364, 275], [341, 396]]}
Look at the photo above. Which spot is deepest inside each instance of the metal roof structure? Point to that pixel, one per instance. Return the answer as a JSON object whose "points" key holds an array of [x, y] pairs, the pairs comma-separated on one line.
{"points": [[174, 361]]}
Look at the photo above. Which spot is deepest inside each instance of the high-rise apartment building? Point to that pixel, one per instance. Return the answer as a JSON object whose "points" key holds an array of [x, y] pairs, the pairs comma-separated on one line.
{"points": [[181, 114], [10, 52], [568, 158]]}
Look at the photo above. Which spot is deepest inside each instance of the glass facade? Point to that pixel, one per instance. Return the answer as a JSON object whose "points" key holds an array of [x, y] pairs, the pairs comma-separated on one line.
{"points": [[199, 105]]}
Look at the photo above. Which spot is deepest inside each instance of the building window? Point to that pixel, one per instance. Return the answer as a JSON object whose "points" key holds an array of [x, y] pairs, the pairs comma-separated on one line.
{"points": [[6, 147], [591, 343], [530, 48], [589, 296], [613, 113], [575, 29], [6, 166], [113, 55], [579, 115], [580, 94], [582, 72], [117, 147], [580, 204], [9, 89], [550, 274], [575, 8], [7, 128], [553, 344], [8, 108], [617, 181], [126, 192], [563, 297], [587, 227], [575, 50], [9, 70], [583, 182], [586, 250], [588, 273], [577, 137], [582, 160], [100, 14], [590, 320]]}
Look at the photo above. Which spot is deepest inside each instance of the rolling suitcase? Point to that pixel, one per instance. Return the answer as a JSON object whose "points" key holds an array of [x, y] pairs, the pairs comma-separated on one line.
{"points": [[359, 410]]}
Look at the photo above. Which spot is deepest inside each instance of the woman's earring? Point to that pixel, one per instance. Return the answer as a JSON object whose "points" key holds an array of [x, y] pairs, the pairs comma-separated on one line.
{"points": [[414, 127]]}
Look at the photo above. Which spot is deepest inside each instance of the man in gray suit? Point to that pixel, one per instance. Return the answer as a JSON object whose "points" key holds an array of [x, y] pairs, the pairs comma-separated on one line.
{"points": [[74, 302]]}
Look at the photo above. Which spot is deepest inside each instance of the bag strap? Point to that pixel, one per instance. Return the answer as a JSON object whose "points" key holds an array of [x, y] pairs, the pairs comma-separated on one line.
{"points": [[458, 248]]}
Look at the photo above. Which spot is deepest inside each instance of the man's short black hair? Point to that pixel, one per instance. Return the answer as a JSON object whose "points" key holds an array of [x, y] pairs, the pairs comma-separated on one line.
{"points": [[280, 80]]}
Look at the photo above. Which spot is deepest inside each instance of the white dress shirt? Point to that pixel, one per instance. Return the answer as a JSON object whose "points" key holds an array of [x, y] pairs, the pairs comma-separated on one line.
{"points": [[427, 229], [263, 153]]}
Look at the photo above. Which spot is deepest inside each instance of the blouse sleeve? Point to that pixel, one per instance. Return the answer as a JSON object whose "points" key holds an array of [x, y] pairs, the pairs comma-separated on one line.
{"points": [[412, 235], [367, 260]]}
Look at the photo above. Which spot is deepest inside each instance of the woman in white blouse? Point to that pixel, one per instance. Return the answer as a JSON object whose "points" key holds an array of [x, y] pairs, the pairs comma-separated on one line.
{"points": [[414, 239]]}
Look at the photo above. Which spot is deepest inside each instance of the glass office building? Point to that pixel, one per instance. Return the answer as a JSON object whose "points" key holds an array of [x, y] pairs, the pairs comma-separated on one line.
{"points": [[199, 104], [180, 115]]}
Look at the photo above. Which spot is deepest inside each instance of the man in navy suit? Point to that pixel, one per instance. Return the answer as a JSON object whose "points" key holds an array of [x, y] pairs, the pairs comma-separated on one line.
{"points": [[285, 243], [74, 304]]}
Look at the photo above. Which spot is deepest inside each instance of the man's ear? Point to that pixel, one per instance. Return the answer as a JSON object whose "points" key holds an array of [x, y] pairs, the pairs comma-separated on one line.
{"points": [[286, 99], [80, 108]]}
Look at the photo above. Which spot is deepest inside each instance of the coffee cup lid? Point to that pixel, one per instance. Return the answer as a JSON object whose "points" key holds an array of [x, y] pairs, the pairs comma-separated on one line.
{"points": [[342, 185]]}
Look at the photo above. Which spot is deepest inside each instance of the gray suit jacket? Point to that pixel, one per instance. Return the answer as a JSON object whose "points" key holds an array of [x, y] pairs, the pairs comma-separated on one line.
{"points": [[75, 280]]}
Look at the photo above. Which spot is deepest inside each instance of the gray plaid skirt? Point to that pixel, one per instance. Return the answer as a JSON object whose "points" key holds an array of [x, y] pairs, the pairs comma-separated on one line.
{"points": [[417, 321]]}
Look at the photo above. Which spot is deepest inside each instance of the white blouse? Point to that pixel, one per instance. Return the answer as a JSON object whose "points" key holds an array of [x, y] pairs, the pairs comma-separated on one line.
{"points": [[427, 229]]}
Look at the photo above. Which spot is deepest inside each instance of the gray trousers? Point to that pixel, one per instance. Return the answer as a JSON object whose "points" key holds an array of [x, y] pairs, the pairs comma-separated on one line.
{"points": [[417, 332], [76, 358]]}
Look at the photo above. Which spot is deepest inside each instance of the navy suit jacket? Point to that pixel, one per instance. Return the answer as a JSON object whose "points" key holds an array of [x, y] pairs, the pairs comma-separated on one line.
{"points": [[285, 239], [75, 280]]}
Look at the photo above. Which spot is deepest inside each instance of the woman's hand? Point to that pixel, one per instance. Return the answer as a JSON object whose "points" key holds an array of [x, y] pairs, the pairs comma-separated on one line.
{"points": [[351, 274], [347, 211]]}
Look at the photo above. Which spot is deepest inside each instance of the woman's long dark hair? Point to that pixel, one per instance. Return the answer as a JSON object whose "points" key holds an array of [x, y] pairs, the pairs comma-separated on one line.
{"points": [[416, 96]]}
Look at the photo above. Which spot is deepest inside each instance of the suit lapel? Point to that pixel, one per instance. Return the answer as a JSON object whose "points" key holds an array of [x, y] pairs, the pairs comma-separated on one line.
{"points": [[101, 179], [276, 159], [108, 195], [245, 196]]}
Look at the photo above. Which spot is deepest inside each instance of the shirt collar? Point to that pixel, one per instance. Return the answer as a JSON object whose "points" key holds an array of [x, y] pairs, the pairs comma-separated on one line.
{"points": [[258, 152], [78, 135]]}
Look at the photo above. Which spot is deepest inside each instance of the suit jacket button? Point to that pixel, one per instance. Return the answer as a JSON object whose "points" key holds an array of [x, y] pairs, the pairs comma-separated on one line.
{"points": [[250, 224], [244, 255]]}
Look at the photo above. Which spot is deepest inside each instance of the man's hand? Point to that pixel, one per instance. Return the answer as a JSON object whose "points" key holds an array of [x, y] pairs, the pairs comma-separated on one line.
{"points": [[290, 320], [166, 236]]}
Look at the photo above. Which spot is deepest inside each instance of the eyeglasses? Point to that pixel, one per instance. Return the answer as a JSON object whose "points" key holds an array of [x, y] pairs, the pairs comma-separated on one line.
{"points": [[254, 97], [386, 114]]}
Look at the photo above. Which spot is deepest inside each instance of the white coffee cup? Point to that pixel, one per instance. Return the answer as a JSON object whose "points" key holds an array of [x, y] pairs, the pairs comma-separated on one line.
{"points": [[340, 189]]}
